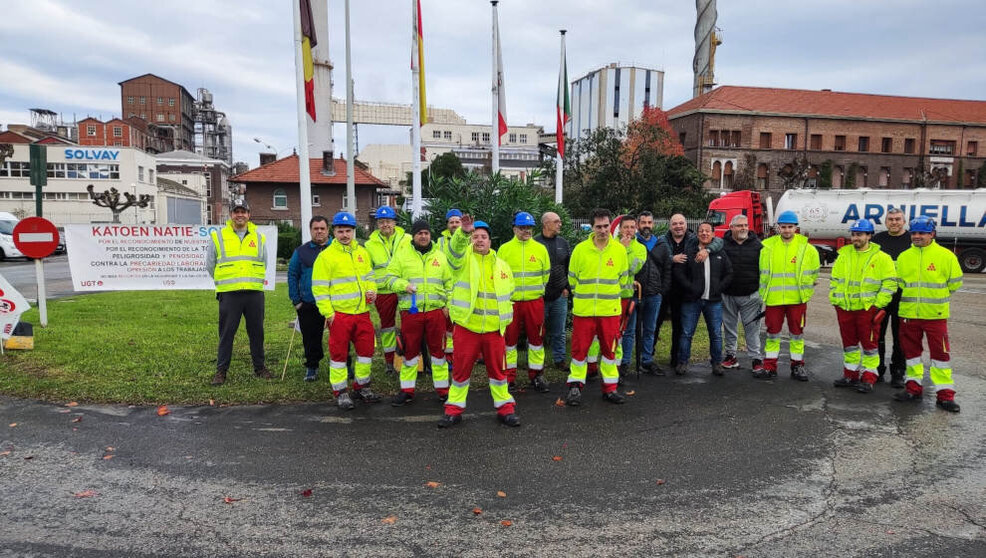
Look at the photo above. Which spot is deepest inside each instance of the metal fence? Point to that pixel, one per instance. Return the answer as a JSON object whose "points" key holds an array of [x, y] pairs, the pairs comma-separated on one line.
{"points": [[659, 224]]}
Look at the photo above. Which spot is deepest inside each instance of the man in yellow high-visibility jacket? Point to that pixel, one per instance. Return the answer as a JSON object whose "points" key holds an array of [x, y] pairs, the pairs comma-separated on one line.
{"points": [[531, 266], [382, 245], [928, 275], [788, 272], [344, 287], [863, 282], [453, 220], [237, 261], [598, 272], [481, 310]]}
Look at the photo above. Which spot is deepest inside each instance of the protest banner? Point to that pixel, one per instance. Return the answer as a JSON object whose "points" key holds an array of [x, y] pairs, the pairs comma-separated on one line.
{"points": [[12, 305]]}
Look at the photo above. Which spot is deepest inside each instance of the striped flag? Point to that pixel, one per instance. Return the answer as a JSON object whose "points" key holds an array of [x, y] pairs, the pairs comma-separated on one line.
{"points": [[308, 40], [564, 104], [418, 63], [501, 96]]}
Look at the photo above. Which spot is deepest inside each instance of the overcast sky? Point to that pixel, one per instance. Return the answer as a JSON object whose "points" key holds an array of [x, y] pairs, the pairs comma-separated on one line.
{"points": [[69, 56]]}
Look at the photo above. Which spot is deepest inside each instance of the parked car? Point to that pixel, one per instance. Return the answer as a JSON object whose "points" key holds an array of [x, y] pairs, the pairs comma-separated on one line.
{"points": [[7, 249]]}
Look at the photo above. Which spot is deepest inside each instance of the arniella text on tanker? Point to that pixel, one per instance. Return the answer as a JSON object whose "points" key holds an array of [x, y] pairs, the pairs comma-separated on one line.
{"points": [[954, 215]]}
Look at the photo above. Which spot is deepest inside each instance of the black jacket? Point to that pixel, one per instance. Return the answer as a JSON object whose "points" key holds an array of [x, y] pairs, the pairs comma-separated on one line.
{"points": [[655, 276], [745, 259], [688, 243], [558, 254], [691, 275]]}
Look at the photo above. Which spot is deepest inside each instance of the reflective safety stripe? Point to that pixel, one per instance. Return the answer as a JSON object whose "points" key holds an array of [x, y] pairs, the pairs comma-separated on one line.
{"points": [[488, 296], [339, 386], [596, 296], [610, 361], [464, 384], [529, 288], [364, 360], [452, 251], [941, 363], [411, 361], [613, 380], [777, 288], [322, 283], [783, 275], [924, 300], [924, 285], [388, 330], [598, 281], [853, 349], [240, 280], [955, 281], [511, 347], [871, 352], [498, 382], [337, 364], [578, 362], [498, 404], [441, 384], [322, 297], [528, 274], [535, 347], [347, 296], [912, 361], [437, 361], [462, 284], [337, 281], [238, 259], [485, 312]]}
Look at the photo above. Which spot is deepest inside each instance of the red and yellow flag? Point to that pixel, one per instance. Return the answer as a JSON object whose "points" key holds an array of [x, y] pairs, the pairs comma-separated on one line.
{"points": [[418, 61], [308, 40]]}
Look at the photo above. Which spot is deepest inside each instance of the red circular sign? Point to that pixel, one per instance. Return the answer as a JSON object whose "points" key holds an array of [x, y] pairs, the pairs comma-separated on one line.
{"points": [[35, 237]]}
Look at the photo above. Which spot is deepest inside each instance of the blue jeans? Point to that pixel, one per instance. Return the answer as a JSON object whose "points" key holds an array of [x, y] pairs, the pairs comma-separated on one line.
{"points": [[689, 321], [648, 309], [555, 313]]}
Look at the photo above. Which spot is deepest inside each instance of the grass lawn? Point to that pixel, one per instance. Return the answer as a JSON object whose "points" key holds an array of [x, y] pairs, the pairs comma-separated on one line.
{"points": [[159, 347]]}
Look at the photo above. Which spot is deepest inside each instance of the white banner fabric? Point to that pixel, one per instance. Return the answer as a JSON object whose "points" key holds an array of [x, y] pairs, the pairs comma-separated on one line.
{"points": [[12, 305]]}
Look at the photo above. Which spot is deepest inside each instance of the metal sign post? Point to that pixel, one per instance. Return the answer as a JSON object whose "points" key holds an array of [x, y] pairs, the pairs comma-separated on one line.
{"points": [[39, 269]]}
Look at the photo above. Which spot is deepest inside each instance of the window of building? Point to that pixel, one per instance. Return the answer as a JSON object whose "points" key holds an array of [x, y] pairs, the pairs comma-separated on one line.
{"points": [[765, 140], [713, 138], [864, 144], [117, 131], [150, 175], [970, 179], [280, 199], [512, 138], [160, 118], [447, 134], [475, 137], [862, 177], [942, 147], [972, 148], [734, 138], [171, 117], [140, 174], [143, 115], [523, 138], [316, 200], [90, 130], [436, 134], [816, 142], [716, 174], [160, 101], [884, 179], [909, 145], [143, 100], [130, 99], [616, 95], [56, 170], [763, 172], [840, 143], [486, 137], [727, 175], [886, 145], [118, 143], [790, 141], [171, 101]]}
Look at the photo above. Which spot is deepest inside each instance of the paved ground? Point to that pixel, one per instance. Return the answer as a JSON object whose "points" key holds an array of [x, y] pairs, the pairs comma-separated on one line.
{"points": [[690, 466]]}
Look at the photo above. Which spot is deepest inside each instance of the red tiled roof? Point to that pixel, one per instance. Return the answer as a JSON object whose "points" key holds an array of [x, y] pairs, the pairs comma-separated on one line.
{"points": [[286, 171], [732, 99], [13, 137]]}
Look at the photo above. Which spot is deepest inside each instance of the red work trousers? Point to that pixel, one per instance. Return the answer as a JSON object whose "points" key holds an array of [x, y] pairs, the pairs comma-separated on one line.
{"points": [[607, 329], [387, 310], [774, 320], [429, 326], [858, 330], [911, 332], [469, 345], [529, 316], [358, 330]]}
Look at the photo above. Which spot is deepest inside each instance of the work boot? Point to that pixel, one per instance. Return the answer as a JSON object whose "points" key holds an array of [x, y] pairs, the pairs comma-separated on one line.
{"points": [[950, 406], [402, 398], [681, 369], [443, 397], [220, 378], [764, 374], [799, 372], [390, 369], [449, 420], [539, 384], [897, 379], [512, 387], [730, 362], [345, 402], [846, 382], [366, 395], [907, 396], [311, 374], [647, 369], [717, 369], [262, 372], [561, 366], [574, 397], [510, 420], [757, 364], [864, 387], [614, 397]]}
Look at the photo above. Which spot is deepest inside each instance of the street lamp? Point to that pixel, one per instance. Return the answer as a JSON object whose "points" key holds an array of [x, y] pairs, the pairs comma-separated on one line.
{"points": [[267, 145]]}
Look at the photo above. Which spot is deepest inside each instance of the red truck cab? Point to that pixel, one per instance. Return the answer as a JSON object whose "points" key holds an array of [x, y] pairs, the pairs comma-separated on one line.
{"points": [[744, 202]]}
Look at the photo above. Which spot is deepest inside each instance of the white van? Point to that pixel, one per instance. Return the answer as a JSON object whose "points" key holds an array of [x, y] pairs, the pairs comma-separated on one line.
{"points": [[7, 248]]}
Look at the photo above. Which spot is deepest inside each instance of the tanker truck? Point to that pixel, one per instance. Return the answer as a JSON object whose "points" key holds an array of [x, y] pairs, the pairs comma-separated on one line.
{"points": [[825, 215]]}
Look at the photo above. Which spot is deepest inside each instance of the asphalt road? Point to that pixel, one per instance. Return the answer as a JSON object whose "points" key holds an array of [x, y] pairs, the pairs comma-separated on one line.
{"points": [[690, 466]]}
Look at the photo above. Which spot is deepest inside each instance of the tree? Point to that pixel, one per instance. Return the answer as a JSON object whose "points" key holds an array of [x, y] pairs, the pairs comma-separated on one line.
{"points": [[747, 176], [795, 173], [981, 176], [446, 165], [111, 199]]}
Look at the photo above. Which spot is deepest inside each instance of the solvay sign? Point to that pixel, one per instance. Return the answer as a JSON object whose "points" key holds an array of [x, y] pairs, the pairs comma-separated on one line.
{"points": [[92, 154]]}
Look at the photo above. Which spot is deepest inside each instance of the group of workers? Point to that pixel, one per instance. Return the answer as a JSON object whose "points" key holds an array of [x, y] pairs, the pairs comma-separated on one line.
{"points": [[460, 300]]}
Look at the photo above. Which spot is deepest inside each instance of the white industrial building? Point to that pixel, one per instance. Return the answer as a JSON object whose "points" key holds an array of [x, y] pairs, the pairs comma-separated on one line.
{"points": [[613, 96]]}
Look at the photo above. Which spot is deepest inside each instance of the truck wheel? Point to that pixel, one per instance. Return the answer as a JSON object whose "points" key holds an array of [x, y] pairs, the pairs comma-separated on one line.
{"points": [[3, 256], [972, 260]]}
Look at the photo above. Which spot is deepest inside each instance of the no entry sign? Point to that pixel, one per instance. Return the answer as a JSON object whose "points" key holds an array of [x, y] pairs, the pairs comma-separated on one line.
{"points": [[35, 237]]}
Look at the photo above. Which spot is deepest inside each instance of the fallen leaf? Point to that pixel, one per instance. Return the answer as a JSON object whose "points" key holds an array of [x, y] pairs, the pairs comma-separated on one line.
{"points": [[501, 494], [163, 410], [108, 456], [229, 500], [476, 511], [110, 448], [433, 484], [4, 453], [65, 411], [506, 523], [86, 494], [631, 393], [307, 493], [559, 402], [28, 457], [389, 520], [13, 424], [891, 532], [212, 402], [71, 404], [556, 458], [660, 481], [77, 419]]}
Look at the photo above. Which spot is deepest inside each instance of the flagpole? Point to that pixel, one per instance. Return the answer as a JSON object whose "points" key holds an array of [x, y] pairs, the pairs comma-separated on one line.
{"points": [[416, 114], [495, 130], [304, 170], [350, 156], [560, 123]]}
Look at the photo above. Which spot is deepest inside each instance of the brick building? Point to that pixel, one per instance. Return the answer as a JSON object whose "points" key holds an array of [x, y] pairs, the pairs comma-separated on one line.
{"points": [[162, 103], [192, 169], [752, 137], [272, 191], [132, 132]]}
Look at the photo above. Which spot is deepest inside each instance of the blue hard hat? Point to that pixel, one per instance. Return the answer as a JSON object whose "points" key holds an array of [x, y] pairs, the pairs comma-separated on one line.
{"points": [[862, 226], [482, 225], [385, 212], [922, 224], [452, 213], [787, 218], [523, 219], [344, 219]]}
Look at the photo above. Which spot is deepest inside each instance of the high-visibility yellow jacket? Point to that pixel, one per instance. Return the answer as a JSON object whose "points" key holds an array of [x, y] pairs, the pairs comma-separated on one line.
{"points": [[529, 262], [240, 264], [444, 242], [382, 250], [341, 277], [636, 257], [788, 270], [927, 277], [428, 272], [481, 290], [597, 277], [862, 279]]}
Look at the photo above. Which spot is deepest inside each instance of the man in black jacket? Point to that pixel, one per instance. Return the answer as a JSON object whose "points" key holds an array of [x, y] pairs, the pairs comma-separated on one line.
{"points": [[893, 241], [702, 284], [655, 282], [556, 291], [741, 300]]}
